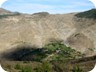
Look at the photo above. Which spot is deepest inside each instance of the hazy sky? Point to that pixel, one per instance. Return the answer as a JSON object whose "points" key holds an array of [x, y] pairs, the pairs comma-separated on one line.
{"points": [[51, 6]]}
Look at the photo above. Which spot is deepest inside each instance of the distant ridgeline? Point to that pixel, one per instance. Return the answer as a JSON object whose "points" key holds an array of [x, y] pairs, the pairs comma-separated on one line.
{"points": [[6, 15], [41, 13], [87, 14]]}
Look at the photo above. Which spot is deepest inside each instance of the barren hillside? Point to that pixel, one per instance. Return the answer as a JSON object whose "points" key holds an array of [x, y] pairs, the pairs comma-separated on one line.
{"points": [[37, 29]]}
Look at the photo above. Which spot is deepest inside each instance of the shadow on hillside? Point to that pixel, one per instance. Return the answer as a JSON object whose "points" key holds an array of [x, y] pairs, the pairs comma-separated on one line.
{"points": [[26, 53]]}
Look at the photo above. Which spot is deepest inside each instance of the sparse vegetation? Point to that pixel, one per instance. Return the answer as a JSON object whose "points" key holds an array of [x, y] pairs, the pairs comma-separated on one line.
{"points": [[41, 14], [77, 69], [55, 51], [87, 14], [44, 67], [61, 51], [77, 65], [92, 49], [26, 69], [54, 56], [17, 66], [6, 15]]}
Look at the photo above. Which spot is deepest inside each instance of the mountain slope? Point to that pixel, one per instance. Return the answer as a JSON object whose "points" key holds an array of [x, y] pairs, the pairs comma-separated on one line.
{"points": [[4, 11], [38, 29]]}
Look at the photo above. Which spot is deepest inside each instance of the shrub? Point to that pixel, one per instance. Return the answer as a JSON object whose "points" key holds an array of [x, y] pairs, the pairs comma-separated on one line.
{"points": [[45, 67], [17, 66], [26, 69], [77, 69]]}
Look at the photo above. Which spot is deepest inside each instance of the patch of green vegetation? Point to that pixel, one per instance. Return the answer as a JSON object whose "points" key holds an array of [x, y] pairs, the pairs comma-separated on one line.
{"points": [[77, 65], [27, 69], [54, 56], [77, 69], [6, 15], [87, 14], [44, 67], [91, 49], [17, 66], [61, 51]]}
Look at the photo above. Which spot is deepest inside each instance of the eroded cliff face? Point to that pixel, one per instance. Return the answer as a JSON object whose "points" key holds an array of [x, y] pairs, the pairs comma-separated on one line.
{"points": [[37, 29]]}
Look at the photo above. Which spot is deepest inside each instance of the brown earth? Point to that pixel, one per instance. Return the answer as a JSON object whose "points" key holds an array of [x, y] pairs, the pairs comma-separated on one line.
{"points": [[37, 29]]}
